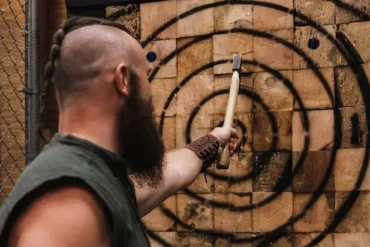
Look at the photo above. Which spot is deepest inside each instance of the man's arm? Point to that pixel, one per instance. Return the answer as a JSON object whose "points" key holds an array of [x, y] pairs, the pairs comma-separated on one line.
{"points": [[69, 216], [182, 167]]}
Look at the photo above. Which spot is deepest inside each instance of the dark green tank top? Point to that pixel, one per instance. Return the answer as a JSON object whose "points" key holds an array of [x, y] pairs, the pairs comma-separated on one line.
{"points": [[67, 160]]}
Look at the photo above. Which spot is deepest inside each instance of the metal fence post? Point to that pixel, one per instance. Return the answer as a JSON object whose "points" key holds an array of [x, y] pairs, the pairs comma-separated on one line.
{"points": [[32, 82]]}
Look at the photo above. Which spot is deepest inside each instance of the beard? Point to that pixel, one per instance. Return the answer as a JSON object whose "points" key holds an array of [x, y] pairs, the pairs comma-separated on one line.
{"points": [[139, 140]]}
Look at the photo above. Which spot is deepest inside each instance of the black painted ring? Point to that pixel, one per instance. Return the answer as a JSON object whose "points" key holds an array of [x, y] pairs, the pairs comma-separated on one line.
{"points": [[280, 184], [300, 162], [279, 76], [363, 83], [289, 84]]}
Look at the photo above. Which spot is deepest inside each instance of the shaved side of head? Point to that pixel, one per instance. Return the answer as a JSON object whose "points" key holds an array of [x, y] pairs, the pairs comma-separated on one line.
{"points": [[86, 54]]}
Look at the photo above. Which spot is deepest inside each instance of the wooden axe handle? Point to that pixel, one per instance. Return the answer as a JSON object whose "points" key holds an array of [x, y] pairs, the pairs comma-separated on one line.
{"points": [[229, 117]]}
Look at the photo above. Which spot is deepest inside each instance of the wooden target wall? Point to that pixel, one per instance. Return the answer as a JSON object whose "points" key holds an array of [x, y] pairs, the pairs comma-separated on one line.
{"points": [[300, 177]]}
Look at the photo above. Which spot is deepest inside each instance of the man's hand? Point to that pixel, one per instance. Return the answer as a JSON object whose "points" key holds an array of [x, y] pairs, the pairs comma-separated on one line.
{"points": [[226, 136], [182, 168]]}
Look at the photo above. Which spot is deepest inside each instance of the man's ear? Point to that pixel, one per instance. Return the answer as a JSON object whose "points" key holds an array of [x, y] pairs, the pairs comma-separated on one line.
{"points": [[121, 79]]}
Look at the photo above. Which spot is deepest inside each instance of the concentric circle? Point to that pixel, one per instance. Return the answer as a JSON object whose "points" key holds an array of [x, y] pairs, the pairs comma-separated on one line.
{"points": [[352, 57]]}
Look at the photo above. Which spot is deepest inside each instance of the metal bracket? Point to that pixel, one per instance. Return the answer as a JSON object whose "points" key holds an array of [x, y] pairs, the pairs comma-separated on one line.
{"points": [[27, 91]]}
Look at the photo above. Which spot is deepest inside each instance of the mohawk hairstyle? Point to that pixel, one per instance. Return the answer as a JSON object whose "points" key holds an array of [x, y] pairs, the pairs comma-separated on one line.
{"points": [[70, 25]]}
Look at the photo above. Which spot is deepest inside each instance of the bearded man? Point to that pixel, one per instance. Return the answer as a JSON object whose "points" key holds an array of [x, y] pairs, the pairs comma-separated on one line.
{"points": [[78, 192]]}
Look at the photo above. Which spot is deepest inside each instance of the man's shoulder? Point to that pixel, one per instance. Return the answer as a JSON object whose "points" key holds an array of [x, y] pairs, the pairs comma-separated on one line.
{"points": [[50, 227], [56, 159], [52, 164], [57, 153]]}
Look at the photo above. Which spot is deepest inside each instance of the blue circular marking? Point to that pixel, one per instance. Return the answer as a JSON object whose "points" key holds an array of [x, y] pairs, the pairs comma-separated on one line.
{"points": [[151, 56]]}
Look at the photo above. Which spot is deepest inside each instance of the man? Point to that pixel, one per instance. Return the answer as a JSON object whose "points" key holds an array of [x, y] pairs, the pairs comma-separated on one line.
{"points": [[77, 192]]}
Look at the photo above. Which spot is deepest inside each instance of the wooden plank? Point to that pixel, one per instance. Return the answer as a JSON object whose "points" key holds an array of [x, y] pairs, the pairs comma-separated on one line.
{"points": [[273, 171], [227, 220], [273, 92], [233, 16], [348, 166], [321, 130], [169, 132], [281, 242], [161, 49], [270, 19], [301, 240], [307, 38], [352, 239], [80, 3], [354, 127], [312, 171], [263, 135], [358, 218], [161, 91], [265, 218], [191, 95], [322, 12], [152, 17], [197, 24], [194, 239], [348, 88], [225, 242], [169, 237], [129, 19], [277, 56], [318, 217], [195, 213], [312, 91], [194, 57], [356, 33], [343, 15]]}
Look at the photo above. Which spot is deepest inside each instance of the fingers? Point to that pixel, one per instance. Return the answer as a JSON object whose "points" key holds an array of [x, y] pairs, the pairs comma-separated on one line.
{"points": [[234, 133], [232, 148], [232, 140]]}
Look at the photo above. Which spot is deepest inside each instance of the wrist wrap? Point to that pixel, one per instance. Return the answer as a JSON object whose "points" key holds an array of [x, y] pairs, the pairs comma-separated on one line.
{"points": [[206, 148]]}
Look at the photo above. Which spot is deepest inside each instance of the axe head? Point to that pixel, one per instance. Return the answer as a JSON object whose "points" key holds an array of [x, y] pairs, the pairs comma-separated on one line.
{"points": [[237, 62]]}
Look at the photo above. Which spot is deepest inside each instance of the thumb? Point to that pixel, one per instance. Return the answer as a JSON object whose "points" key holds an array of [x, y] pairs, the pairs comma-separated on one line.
{"points": [[234, 133]]}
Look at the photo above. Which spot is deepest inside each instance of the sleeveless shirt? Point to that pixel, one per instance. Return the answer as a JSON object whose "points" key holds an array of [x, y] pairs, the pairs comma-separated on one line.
{"points": [[68, 159]]}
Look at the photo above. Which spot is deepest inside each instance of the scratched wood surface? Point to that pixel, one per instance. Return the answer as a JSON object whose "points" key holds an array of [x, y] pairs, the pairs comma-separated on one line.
{"points": [[304, 141]]}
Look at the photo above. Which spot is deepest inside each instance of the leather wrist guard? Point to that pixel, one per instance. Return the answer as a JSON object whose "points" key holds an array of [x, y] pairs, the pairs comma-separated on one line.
{"points": [[206, 148]]}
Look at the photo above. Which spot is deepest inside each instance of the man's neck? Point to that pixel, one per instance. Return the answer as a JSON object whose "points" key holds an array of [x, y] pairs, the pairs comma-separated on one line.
{"points": [[96, 128]]}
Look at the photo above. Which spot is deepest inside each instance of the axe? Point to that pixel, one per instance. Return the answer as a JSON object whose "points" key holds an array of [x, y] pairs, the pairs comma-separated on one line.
{"points": [[230, 109]]}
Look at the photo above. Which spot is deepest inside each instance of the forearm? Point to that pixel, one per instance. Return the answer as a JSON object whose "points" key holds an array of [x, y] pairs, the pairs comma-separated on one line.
{"points": [[182, 167], [187, 164]]}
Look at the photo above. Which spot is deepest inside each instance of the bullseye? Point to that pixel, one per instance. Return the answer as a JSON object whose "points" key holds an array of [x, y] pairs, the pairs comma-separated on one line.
{"points": [[348, 52]]}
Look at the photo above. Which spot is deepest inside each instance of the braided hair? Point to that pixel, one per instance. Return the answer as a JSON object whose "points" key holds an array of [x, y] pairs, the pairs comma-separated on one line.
{"points": [[55, 51]]}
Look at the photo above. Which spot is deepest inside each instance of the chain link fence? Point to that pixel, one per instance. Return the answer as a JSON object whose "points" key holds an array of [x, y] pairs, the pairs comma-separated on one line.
{"points": [[12, 93]]}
